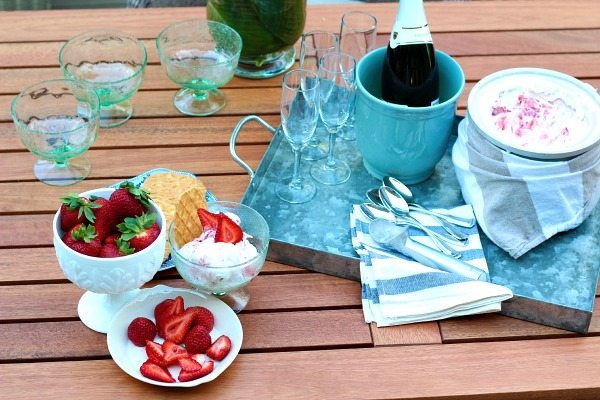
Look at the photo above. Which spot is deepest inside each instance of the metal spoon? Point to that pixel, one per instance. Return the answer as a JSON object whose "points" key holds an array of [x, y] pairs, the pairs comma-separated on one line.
{"points": [[375, 211], [398, 206], [373, 195], [405, 192]]}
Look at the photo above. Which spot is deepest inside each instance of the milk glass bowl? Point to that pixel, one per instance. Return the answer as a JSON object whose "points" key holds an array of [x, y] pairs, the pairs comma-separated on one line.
{"points": [[110, 62], [57, 121], [110, 282], [200, 56], [226, 281]]}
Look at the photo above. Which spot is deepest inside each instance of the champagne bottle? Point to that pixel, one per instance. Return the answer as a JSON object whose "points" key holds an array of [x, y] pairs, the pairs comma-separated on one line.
{"points": [[410, 75]]}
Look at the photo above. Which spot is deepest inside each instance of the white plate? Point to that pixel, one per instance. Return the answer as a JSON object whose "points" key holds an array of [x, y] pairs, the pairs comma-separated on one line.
{"points": [[129, 357]]}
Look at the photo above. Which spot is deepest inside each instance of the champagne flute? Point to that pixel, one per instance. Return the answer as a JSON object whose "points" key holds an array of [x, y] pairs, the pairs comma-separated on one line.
{"points": [[358, 33], [313, 45], [336, 93], [299, 116]]}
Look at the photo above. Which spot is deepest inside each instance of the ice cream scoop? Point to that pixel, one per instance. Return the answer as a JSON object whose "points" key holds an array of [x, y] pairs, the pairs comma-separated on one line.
{"points": [[392, 236]]}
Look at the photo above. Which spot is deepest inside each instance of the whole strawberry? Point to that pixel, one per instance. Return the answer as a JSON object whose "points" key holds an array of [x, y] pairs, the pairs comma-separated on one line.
{"points": [[197, 340], [140, 330], [75, 210], [129, 201], [140, 231], [106, 217], [118, 249], [82, 238]]}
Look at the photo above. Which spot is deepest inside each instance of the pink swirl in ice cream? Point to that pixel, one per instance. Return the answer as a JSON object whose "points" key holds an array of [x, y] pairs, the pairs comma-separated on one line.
{"points": [[537, 118]]}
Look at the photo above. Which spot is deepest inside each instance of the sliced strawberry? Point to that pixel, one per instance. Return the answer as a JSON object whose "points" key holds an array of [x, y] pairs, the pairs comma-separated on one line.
{"points": [[220, 348], [177, 326], [202, 316], [197, 340], [200, 358], [207, 368], [228, 231], [187, 364], [156, 372], [165, 309], [208, 220], [140, 330], [173, 352], [155, 353]]}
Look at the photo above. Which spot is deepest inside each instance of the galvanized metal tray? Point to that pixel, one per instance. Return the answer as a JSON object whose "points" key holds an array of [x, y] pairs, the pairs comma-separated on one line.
{"points": [[554, 284]]}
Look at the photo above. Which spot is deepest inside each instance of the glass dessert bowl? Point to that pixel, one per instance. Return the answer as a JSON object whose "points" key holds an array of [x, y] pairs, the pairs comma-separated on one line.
{"points": [[224, 269], [110, 282], [200, 56], [110, 62], [57, 120]]}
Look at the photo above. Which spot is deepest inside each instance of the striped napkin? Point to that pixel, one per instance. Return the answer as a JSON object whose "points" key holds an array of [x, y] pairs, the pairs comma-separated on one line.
{"points": [[521, 202], [397, 290]]}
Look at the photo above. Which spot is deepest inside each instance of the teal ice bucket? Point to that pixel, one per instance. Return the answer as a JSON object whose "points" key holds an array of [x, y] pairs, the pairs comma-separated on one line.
{"points": [[404, 142]]}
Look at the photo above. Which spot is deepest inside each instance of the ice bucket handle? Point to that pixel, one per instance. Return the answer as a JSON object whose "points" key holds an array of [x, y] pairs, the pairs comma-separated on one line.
{"points": [[234, 135]]}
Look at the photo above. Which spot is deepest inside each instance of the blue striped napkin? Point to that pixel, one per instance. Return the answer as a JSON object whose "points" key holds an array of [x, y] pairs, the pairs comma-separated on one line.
{"points": [[397, 290]]}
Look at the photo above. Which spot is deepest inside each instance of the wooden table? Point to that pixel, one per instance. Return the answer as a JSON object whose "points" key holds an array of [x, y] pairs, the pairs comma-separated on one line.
{"points": [[304, 334]]}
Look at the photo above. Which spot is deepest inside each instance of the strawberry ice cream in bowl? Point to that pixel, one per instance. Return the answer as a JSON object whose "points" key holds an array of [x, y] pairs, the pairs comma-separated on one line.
{"points": [[109, 242], [536, 113], [229, 252]]}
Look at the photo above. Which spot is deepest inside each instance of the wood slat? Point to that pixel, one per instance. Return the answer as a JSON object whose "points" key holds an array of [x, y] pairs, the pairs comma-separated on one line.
{"points": [[420, 333], [126, 163], [164, 132], [499, 327], [553, 369], [455, 43], [262, 331], [442, 17], [580, 65], [35, 265], [268, 292], [160, 103], [16, 79]]}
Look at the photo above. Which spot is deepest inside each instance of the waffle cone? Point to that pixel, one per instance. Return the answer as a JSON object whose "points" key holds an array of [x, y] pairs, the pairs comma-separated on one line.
{"points": [[166, 189], [187, 223]]}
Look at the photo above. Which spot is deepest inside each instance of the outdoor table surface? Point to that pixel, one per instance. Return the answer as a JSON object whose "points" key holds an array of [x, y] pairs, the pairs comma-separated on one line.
{"points": [[304, 332]]}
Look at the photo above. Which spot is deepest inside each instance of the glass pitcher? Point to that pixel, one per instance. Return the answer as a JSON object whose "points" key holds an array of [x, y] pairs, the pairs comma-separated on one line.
{"points": [[269, 30]]}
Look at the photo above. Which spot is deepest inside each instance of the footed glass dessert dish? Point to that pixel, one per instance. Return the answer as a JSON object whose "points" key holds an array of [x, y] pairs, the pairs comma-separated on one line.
{"points": [[224, 269], [110, 282]]}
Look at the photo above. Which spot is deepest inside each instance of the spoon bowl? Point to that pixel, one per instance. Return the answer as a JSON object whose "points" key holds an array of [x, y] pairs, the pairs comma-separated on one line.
{"points": [[401, 188], [404, 191]]}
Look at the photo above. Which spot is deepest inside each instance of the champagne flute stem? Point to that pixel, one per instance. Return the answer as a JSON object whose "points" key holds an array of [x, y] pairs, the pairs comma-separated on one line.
{"points": [[330, 159], [296, 182]]}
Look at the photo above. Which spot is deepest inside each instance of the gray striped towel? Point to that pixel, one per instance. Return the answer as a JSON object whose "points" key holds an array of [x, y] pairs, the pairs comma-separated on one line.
{"points": [[520, 202], [397, 290]]}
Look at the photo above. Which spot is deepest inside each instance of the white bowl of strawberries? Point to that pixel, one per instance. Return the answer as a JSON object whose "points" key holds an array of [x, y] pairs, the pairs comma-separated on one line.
{"points": [[109, 242]]}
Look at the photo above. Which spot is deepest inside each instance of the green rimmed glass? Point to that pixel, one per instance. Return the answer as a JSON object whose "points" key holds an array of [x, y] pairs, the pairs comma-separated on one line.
{"points": [[200, 56], [57, 121], [112, 63]]}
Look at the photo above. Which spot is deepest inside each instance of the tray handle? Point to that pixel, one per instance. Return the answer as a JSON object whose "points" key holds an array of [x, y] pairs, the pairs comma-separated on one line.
{"points": [[233, 139]]}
